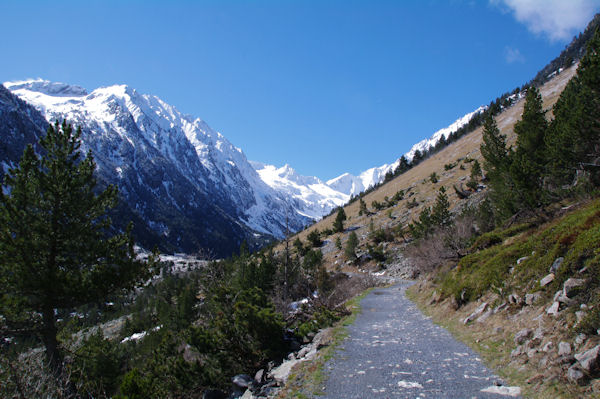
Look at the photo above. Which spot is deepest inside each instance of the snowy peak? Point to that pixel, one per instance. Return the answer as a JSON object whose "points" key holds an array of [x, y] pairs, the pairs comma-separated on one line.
{"points": [[46, 87], [423, 145]]}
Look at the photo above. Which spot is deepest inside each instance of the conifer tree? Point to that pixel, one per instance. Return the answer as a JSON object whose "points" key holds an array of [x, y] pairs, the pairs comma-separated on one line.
{"points": [[440, 215], [573, 140], [351, 244], [338, 224], [363, 208], [528, 166], [57, 246], [497, 160]]}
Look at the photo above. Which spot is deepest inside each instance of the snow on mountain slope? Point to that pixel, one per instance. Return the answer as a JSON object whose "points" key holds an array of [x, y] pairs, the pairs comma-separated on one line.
{"points": [[129, 132], [445, 132], [311, 196]]}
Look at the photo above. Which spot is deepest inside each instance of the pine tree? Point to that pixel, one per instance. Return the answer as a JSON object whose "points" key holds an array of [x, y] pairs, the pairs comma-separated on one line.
{"points": [[440, 215], [56, 246], [363, 208], [497, 162], [573, 140], [351, 244], [338, 224], [528, 166]]}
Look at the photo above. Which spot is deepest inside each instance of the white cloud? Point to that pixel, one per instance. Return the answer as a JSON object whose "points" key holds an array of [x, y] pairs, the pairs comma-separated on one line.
{"points": [[557, 19], [512, 55]]}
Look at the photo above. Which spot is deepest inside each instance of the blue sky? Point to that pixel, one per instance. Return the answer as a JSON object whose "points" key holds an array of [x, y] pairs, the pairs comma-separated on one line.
{"points": [[326, 86]]}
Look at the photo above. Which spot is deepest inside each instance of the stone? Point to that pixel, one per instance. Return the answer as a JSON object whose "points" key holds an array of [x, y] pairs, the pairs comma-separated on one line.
{"points": [[580, 315], [259, 377], [564, 348], [523, 259], [242, 380], [588, 360], [572, 286], [523, 335], [556, 265], [547, 280], [580, 339], [514, 299], [480, 309], [538, 336], [247, 395], [498, 330], [518, 351], [553, 309], [504, 391], [548, 346], [530, 299], [575, 375], [500, 307]]}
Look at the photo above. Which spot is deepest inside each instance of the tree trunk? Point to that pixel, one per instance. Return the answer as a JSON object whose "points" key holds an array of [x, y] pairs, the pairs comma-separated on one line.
{"points": [[51, 343]]}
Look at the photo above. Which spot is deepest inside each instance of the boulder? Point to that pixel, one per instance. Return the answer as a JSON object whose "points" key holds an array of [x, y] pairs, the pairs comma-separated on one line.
{"points": [[575, 375], [515, 299], [523, 335], [480, 309], [556, 265], [572, 286], [259, 377], [564, 348], [518, 351], [589, 359], [547, 280], [500, 307], [553, 309], [242, 381], [484, 316], [580, 315], [247, 395], [580, 339]]}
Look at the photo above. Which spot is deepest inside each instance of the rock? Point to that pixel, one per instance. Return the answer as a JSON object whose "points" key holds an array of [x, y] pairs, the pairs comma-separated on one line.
{"points": [[572, 286], [548, 346], [498, 330], [523, 335], [259, 377], [514, 299], [556, 265], [580, 339], [504, 391], [531, 353], [553, 309], [575, 375], [564, 348], [480, 309], [435, 297], [500, 307], [247, 395], [530, 299], [589, 359], [518, 351], [580, 315], [547, 280], [190, 355], [538, 336], [242, 380], [523, 259]]}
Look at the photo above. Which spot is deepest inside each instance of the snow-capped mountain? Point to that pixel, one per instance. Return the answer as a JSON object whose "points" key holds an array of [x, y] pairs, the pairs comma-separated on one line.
{"points": [[311, 197], [423, 145], [167, 165]]}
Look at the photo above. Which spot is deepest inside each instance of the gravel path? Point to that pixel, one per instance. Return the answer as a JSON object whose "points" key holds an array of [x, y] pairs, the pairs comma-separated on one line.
{"points": [[394, 351]]}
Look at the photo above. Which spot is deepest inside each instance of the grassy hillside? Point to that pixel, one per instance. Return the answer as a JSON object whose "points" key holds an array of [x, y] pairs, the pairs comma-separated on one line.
{"points": [[417, 185]]}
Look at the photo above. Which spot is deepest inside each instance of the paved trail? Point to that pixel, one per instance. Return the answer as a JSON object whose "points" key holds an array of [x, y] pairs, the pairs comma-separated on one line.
{"points": [[394, 351]]}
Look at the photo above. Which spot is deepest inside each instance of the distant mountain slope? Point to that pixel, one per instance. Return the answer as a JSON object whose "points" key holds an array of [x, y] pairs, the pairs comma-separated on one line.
{"points": [[186, 182]]}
